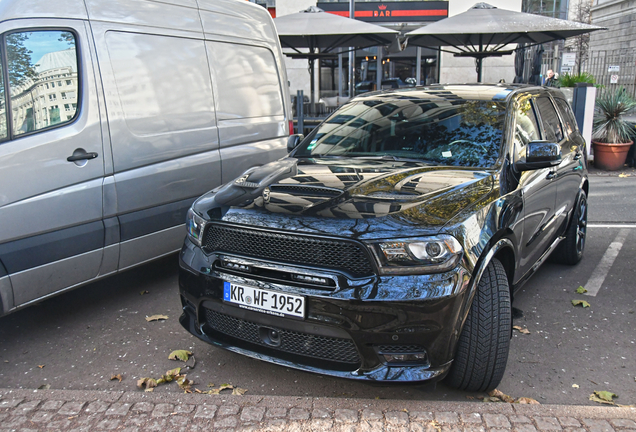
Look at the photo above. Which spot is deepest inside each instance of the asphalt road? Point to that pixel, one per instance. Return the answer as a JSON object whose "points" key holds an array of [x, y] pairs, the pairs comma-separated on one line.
{"points": [[80, 339]]}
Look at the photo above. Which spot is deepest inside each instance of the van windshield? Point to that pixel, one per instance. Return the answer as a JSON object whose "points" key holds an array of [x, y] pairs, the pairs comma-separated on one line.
{"points": [[448, 132]]}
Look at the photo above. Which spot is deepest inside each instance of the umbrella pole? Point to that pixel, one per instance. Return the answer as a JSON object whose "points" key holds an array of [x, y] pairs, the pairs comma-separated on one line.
{"points": [[311, 85], [479, 60]]}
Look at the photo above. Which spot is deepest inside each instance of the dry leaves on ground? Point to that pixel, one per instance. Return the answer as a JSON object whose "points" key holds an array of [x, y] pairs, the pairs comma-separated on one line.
{"points": [[156, 317], [116, 377], [582, 303], [498, 396], [521, 329], [581, 290]]}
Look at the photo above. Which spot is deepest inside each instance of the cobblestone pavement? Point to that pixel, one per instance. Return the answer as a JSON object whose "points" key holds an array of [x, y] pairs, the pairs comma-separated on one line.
{"points": [[72, 410]]}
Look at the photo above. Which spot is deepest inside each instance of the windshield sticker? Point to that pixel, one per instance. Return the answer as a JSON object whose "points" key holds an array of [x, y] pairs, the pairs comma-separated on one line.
{"points": [[447, 154]]}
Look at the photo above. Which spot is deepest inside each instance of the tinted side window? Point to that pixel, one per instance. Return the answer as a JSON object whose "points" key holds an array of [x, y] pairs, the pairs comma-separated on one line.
{"points": [[569, 122], [550, 120], [3, 108], [526, 128], [247, 81], [43, 79]]}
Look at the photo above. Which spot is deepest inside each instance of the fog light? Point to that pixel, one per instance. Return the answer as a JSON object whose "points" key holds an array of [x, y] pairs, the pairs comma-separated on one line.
{"points": [[406, 358], [235, 266], [310, 279]]}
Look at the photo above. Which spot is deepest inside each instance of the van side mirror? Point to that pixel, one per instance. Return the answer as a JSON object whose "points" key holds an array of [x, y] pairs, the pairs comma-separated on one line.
{"points": [[539, 154], [293, 141]]}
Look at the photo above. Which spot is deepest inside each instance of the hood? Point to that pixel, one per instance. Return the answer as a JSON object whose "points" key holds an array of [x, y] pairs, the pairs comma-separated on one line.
{"points": [[362, 199]]}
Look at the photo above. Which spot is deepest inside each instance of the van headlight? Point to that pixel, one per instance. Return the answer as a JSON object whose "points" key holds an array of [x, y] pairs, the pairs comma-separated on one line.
{"points": [[194, 226], [418, 255]]}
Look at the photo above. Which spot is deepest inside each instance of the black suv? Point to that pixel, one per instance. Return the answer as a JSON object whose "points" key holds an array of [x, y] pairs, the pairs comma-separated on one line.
{"points": [[388, 245]]}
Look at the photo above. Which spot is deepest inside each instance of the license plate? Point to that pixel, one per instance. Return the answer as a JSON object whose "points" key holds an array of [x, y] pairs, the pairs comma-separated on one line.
{"points": [[265, 301]]}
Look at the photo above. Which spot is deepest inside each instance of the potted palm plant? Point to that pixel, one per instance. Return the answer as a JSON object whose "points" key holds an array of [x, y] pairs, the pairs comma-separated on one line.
{"points": [[612, 134]]}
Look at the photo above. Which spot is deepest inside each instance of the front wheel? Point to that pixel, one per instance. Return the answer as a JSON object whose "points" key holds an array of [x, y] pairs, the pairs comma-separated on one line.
{"points": [[570, 250], [482, 348]]}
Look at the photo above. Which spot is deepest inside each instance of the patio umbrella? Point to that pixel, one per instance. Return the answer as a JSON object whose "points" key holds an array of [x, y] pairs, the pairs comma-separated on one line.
{"points": [[520, 59], [484, 31], [321, 33]]}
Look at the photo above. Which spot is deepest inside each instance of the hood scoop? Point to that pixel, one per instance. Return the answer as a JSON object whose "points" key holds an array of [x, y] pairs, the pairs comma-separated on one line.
{"points": [[306, 190]]}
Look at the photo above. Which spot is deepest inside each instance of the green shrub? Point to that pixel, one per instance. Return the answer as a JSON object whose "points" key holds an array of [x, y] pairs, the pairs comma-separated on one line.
{"points": [[567, 80]]}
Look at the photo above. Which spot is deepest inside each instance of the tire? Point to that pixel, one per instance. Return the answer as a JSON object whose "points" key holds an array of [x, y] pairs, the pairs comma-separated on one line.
{"points": [[570, 250], [482, 348]]}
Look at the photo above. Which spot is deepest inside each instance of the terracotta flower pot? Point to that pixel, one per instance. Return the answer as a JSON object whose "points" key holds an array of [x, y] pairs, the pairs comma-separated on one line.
{"points": [[610, 157]]}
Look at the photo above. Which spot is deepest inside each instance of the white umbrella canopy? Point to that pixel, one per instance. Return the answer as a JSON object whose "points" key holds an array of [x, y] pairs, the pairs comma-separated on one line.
{"points": [[484, 30]]}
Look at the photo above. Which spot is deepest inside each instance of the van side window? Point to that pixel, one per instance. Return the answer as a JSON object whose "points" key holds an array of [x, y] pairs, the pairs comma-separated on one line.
{"points": [[3, 108], [248, 85], [36, 60]]}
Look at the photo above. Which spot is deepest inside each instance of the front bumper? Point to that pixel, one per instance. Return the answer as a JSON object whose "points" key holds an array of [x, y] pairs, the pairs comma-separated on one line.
{"points": [[345, 333]]}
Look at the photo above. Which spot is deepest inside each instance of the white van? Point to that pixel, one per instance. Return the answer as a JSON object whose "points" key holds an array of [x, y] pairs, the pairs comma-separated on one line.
{"points": [[114, 116]]}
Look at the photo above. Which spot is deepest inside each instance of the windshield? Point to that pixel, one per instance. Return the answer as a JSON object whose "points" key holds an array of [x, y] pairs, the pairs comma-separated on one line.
{"points": [[442, 132]]}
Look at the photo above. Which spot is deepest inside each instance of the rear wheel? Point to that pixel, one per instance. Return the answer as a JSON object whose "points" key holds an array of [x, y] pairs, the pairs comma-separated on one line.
{"points": [[570, 250], [482, 348]]}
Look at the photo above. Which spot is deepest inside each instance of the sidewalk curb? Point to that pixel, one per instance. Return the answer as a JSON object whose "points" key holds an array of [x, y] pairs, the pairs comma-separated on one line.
{"points": [[309, 403]]}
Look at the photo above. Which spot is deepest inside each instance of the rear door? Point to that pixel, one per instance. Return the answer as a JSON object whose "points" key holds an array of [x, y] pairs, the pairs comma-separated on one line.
{"points": [[51, 158], [570, 171]]}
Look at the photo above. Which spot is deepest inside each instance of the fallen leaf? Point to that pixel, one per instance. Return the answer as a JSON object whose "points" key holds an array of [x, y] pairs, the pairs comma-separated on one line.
{"points": [[44, 387], [575, 386], [500, 395], [210, 385], [491, 399], [623, 175], [182, 355], [606, 395], [156, 317], [470, 397], [143, 292], [580, 303], [149, 389], [581, 290], [116, 377], [226, 386], [41, 366], [147, 383], [527, 400], [239, 391], [71, 417], [521, 329], [184, 383]]}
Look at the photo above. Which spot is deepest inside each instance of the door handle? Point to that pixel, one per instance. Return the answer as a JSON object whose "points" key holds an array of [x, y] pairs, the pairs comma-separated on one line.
{"points": [[551, 175], [82, 156]]}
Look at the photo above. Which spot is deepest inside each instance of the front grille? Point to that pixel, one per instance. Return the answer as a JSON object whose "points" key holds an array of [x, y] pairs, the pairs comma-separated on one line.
{"points": [[289, 248], [320, 347], [399, 349]]}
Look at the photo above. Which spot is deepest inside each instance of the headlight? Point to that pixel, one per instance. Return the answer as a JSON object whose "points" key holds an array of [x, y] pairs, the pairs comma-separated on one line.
{"points": [[418, 255], [195, 225]]}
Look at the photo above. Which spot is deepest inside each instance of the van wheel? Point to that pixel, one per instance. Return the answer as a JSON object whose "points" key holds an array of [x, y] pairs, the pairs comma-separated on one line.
{"points": [[570, 250], [482, 348]]}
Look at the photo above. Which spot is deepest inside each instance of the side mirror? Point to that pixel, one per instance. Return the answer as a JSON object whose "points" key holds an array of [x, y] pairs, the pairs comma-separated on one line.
{"points": [[539, 154], [293, 141]]}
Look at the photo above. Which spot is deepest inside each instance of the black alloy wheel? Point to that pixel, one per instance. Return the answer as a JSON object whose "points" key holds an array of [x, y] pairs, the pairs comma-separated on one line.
{"points": [[570, 250]]}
